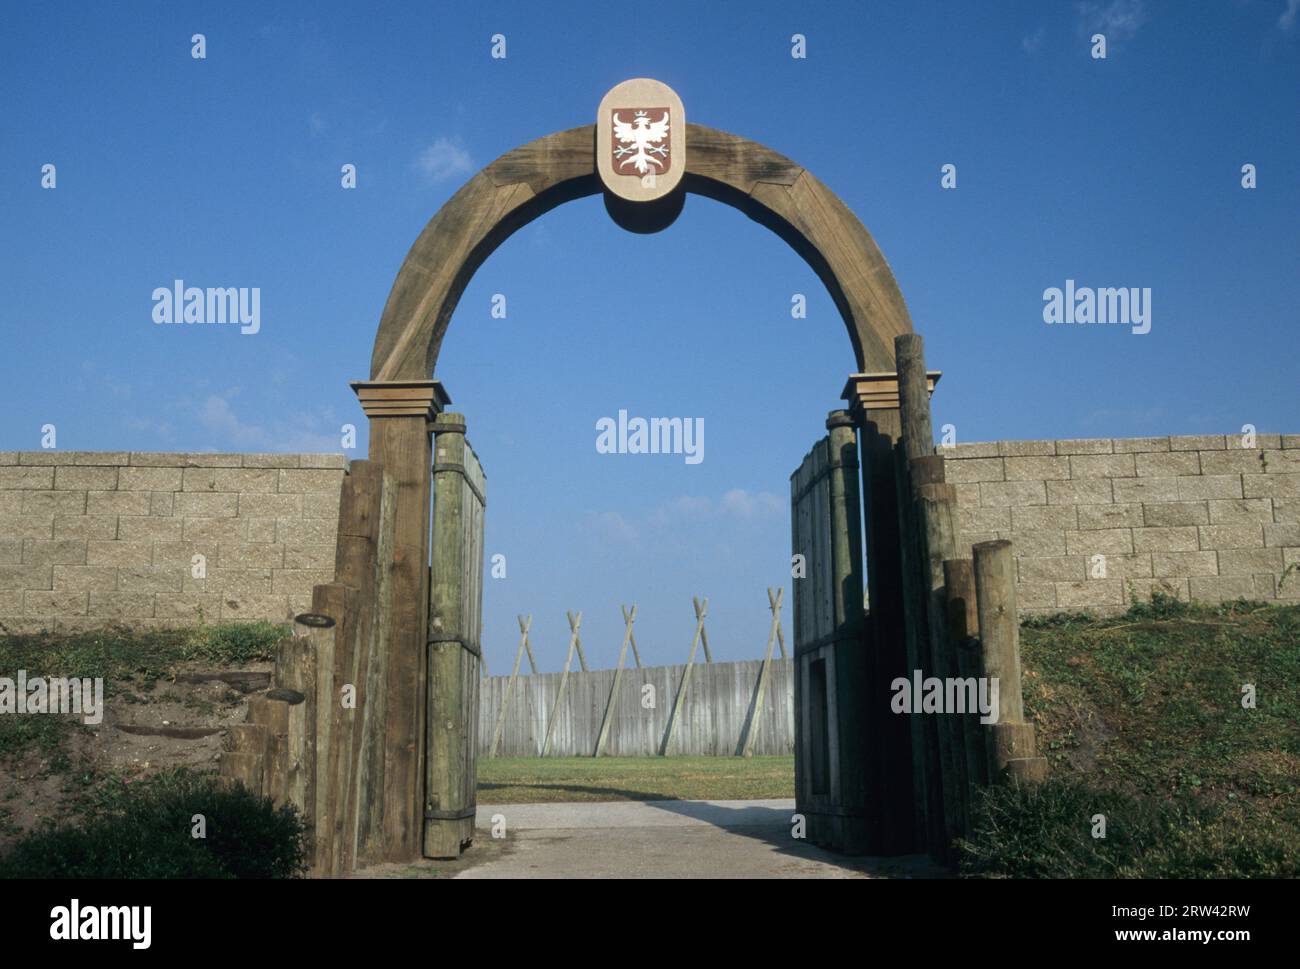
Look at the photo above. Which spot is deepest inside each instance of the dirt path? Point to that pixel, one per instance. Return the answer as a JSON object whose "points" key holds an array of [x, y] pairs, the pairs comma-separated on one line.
{"points": [[664, 839]]}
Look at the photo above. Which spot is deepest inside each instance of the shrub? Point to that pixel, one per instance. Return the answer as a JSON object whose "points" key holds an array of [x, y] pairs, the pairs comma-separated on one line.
{"points": [[143, 830]]}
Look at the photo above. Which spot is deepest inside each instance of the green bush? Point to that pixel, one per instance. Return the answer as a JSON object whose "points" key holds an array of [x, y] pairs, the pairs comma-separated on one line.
{"points": [[1045, 831], [143, 830]]}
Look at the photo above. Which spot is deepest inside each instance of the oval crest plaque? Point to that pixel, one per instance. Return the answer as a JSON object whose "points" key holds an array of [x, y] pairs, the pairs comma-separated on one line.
{"points": [[641, 140]]}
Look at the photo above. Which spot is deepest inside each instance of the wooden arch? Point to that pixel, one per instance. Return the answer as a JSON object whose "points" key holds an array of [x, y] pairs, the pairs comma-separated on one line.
{"points": [[534, 178]]}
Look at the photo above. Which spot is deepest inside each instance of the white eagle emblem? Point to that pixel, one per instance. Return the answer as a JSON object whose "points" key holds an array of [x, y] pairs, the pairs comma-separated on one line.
{"points": [[638, 143]]}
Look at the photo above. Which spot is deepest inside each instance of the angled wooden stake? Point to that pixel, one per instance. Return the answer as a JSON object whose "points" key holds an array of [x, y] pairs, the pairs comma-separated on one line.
{"points": [[635, 654], [774, 603], [564, 680], [577, 640], [700, 612], [628, 618], [510, 687]]}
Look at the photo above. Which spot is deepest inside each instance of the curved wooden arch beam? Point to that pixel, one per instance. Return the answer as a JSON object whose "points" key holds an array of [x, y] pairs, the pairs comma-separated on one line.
{"points": [[534, 178]]}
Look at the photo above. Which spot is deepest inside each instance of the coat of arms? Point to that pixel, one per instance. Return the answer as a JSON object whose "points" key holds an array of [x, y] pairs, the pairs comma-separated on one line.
{"points": [[640, 141]]}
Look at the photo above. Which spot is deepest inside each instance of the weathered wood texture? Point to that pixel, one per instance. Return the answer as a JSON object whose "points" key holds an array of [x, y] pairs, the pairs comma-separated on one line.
{"points": [[1010, 741], [455, 631], [830, 652], [717, 706], [892, 811], [534, 178]]}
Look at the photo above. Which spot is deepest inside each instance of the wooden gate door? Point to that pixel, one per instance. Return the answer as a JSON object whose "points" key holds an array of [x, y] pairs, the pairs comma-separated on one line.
{"points": [[830, 652], [455, 625]]}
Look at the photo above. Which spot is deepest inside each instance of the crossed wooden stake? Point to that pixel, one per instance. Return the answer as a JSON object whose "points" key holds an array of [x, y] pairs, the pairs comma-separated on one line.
{"points": [[524, 626], [574, 641], [701, 610], [628, 637], [775, 635]]}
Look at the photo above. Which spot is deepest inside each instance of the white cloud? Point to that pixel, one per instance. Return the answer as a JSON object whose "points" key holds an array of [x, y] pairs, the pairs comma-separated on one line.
{"points": [[292, 432], [444, 159], [1119, 20], [751, 505], [1288, 18]]}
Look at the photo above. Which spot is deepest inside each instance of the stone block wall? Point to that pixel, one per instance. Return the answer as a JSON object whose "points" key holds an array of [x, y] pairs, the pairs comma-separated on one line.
{"points": [[1096, 522], [93, 538]]}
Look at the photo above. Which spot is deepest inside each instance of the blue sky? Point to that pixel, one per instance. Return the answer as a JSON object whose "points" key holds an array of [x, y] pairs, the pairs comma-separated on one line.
{"points": [[226, 172]]}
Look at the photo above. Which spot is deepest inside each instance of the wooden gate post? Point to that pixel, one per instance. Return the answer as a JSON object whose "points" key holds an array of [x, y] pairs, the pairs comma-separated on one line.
{"points": [[454, 630], [399, 412]]}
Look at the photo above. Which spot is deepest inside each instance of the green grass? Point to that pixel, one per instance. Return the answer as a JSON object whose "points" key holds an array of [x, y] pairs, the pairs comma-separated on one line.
{"points": [[1141, 717], [513, 780], [125, 659]]}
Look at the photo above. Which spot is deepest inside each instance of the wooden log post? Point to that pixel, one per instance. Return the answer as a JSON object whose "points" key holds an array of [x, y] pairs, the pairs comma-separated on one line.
{"points": [[701, 611], [936, 505], [272, 715], [295, 670], [760, 692], [574, 624], [244, 759], [399, 412], [524, 625], [607, 720], [337, 602], [963, 631], [1010, 740], [451, 765], [917, 440]]}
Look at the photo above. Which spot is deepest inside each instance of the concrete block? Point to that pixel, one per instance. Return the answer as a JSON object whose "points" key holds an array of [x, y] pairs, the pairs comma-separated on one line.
{"points": [[1165, 514], [978, 449], [47, 604], [1249, 561], [1217, 588], [1277, 535], [1268, 485], [270, 607], [190, 606], [1230, 511], [1082, 491], [118, 553], [121, 605], [1061, 568], [273, 506], [261, 530], [1169, 464], [1037, 468], [26, 577], [103, 527], [157, 459], [304, 481], [1086, 446], [1210, 486], [211, 530], [1110, 516], [1035, 595], [1038, 544], [1182, 564], [270, 460], [323, 531], [1233, 462], [85, 578], [1024, 449], [53, 502], [1181, 538], [85, 479], [1261, 442], [315, 557], [26, 479], [1142, 589], [1126, 445], [1107, 541], [117, 503], [1242, 535], [149, 479], [1040, 517], [1093, 592], [979, 519], [1197, 442], [1102, 466], [1284, 510], [151, 578], [1146, 491], [336, 461], [69, 551], [243, 556], [199, 504], [298, 582], [46, 457], [27, 526], [1119, 566], [148, 529], [11, 553]]}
